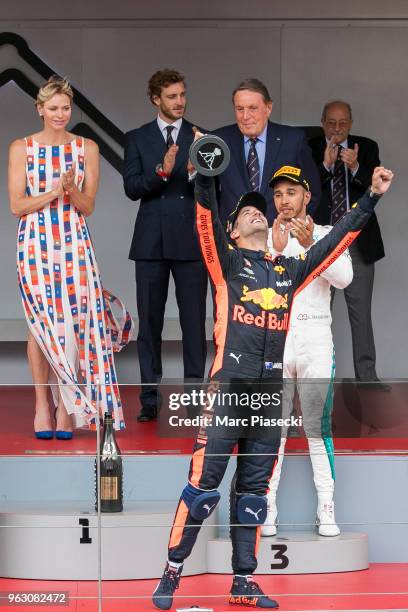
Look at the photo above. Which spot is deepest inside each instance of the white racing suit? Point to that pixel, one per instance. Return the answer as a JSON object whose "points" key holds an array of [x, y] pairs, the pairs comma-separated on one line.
{"points": [[309, 354]]}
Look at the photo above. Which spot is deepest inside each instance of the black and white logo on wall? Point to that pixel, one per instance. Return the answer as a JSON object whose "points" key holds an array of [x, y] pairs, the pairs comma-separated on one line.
{"points": [[28, 86]]}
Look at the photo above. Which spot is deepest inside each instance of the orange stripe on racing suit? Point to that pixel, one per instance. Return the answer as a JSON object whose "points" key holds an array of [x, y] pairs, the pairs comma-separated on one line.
{"points": [[178, 525], [258, 539], [197, 462], [339, 250], [204, 224]]}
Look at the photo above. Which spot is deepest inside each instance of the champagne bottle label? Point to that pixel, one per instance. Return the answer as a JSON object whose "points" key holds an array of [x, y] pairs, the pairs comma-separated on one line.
{"points": [[111, 471], [109, 488]]}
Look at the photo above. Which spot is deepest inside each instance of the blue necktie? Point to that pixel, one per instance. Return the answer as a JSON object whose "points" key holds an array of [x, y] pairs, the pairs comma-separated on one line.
{"points": [[253, 165]]}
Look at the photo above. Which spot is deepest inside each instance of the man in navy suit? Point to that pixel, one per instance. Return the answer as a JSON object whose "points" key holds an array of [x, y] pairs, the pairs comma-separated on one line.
{"points": [[258, 148], [157, 171]]}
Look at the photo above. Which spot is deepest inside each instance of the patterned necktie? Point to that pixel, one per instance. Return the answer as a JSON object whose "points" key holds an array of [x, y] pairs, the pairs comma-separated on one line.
{"points": [[339, 190], [253, 165], [169, 139]]}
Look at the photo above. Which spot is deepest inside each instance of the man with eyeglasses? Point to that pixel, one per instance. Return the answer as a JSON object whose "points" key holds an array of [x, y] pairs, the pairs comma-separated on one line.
{"points": [[346, 164]]}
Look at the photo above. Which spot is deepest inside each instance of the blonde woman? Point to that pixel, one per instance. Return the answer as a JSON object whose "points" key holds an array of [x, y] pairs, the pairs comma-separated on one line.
{"points": [[53, 180]]}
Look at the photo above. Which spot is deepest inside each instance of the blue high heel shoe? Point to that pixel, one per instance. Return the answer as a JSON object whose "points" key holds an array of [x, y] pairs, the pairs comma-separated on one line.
{"points": [[44, 435], [60, 434]]}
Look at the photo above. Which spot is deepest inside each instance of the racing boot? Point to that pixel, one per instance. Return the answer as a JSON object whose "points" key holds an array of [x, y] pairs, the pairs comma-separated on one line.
{"points": [[269, 527], [246, 592], [325, 520], [163, 594]]}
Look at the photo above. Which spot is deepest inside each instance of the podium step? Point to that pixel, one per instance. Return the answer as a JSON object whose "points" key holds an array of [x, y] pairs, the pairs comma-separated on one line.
{"points": [[59, 541], [298, 553]]}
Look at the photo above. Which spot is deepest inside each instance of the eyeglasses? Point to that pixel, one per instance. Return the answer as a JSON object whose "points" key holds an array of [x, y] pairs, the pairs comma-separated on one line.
{"points": [[341, 124]]}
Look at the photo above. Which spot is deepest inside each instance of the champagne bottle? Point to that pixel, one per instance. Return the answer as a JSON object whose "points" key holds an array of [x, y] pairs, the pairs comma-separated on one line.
{"points": [[111, 470]]}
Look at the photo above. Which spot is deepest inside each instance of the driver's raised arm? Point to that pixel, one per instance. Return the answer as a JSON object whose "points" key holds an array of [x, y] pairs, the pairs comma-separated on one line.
{"points": [[322, 254]]}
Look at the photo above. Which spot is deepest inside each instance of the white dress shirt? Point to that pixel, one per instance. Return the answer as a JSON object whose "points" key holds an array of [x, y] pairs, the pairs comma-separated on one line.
{"points": [[163, 125]]}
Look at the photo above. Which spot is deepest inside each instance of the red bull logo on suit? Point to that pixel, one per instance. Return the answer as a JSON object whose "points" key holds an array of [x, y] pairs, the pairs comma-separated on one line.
{"points": [[266, 298], [264, 319]]}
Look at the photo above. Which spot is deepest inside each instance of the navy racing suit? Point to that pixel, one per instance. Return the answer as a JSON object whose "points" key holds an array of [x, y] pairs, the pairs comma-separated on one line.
{"points": [[253, 294]]}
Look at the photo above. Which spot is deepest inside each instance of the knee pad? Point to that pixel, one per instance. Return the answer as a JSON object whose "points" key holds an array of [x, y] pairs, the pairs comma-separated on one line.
{"points": [[200, 503], [251, 509]]}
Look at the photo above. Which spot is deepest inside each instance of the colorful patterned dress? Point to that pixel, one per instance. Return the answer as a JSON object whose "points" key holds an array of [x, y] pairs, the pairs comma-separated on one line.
{"points": [[67, 310]]}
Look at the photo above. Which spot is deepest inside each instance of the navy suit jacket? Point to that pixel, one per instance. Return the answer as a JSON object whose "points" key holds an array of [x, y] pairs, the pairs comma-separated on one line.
{"points": [[369, 242], [285, 146], [164, 227]]}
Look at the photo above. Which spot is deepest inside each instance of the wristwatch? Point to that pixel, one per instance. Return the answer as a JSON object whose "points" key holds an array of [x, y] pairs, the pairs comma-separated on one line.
{"points": [[374, 195], [160, 172]]}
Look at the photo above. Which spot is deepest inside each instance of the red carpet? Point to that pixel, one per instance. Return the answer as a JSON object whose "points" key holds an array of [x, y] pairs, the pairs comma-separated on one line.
{"points": [[366, 421], [380, 587]]}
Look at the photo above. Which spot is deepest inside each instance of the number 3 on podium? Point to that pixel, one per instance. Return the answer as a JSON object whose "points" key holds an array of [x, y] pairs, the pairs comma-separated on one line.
{"points": [[280, 556]]}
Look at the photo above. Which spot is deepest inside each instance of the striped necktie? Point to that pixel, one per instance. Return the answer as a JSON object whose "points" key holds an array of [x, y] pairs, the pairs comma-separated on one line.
{"points": [[253, 165], [339, 190], [169, 139]]}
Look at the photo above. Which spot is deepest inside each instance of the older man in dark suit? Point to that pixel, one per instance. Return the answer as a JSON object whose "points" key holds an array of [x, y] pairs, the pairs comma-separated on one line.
{"points": [[158, 172], [258, 148], [346, 164]]}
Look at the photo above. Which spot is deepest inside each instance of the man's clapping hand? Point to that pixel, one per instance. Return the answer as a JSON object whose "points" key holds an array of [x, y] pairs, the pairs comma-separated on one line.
{"points": [[349, 156], [170, 159], [330, 153], [280, 233], [303, 231]]}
